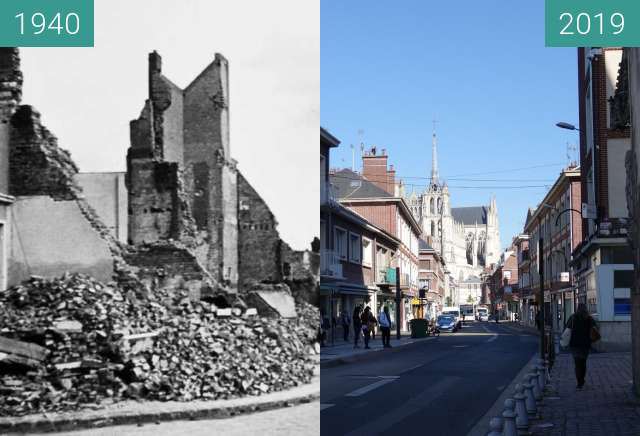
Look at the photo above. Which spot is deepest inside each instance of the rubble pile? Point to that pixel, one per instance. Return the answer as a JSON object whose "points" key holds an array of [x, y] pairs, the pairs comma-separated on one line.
{"points": [[73, 342]]}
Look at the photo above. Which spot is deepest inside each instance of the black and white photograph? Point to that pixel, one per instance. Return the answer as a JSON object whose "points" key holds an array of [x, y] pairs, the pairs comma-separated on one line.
{"points": [[159, 264]]}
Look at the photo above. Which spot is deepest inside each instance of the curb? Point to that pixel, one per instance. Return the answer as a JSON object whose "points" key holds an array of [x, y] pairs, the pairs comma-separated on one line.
{"points": [[482, 426], [157, 411], [332, 363]]}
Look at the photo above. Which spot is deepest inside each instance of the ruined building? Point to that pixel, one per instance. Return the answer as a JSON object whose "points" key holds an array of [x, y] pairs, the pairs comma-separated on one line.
{"points": [[191, 217]]}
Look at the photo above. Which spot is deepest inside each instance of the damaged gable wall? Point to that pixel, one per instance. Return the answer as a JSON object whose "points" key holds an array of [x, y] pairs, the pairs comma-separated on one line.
{"points": [[50, 228]]}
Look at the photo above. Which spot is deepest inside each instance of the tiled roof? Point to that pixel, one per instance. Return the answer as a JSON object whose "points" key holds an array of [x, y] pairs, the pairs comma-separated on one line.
{"points": [[347, 184], [470, 215]]}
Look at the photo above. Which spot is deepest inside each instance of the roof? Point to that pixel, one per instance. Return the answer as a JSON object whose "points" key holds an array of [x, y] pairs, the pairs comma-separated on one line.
{"points": [[328, 138], [470, 215], [472, 279], [347, 184]]}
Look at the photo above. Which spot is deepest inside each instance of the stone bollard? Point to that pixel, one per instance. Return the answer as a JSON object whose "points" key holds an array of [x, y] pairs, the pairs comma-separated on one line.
{"points": [[509, 417], [495, 425], [522, 419], [542, 377], [533, 379], [530, 401]]}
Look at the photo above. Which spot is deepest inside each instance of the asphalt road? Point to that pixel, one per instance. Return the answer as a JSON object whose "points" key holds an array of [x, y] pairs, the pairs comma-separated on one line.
{"points": [[441, 386]]}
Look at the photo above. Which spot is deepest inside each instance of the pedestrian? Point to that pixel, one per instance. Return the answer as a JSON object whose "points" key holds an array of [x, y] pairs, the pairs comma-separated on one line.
{"points": [[373, 322], [538, 319], [365, 322], [357, 326], [384, 320], [322, 334], [584, 332], [344, 320]]}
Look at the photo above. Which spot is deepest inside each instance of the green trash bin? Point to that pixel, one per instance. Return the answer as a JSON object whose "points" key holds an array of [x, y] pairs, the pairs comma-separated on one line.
{"points": [[418, 328]]}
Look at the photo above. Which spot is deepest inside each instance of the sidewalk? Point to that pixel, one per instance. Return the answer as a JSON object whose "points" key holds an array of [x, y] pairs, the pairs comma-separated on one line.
{"points": [[139, 412], [343, 352], [605, 406]]}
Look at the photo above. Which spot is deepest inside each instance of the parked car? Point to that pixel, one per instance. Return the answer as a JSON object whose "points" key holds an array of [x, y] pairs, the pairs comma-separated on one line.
{"points": [[483, 316], [447, 323]]}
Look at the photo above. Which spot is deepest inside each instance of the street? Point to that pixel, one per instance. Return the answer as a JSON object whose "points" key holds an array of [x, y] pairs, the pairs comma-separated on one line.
{"points": [[441, 386]]}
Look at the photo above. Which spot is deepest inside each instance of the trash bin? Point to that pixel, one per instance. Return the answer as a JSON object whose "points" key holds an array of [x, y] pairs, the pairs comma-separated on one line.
{"points": [[418, 328]]}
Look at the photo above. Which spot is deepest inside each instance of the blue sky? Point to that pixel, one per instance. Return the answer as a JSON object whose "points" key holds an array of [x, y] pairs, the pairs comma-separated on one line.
{"points": [[480, 68]]}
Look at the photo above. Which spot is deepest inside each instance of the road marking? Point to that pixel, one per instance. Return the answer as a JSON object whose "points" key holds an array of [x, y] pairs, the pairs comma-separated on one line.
{"points": [[325, 406], [372, 386], [460, 346], [402, 411], [412, 368], [486, 329], [492, 338]]}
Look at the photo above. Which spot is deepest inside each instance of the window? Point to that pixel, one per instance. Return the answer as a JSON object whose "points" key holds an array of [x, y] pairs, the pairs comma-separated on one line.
{"points": [[354, 247], [622, 279], [367, 251], [340, 244]]}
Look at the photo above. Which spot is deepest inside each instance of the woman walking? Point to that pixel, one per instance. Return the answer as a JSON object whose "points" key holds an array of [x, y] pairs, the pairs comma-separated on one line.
{"points": [[357, 326], [366, 323], [583, 333]]}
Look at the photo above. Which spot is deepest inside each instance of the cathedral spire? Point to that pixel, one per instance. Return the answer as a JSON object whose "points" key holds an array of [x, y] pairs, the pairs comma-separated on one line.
{"points": [[434, 157]]}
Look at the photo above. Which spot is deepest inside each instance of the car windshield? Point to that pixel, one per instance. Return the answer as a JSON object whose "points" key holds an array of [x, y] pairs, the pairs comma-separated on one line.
{"points": [[445, 318]]}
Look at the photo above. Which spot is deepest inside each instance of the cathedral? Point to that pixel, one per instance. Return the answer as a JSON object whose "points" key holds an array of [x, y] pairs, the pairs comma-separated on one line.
{"points": [[467, 237]]}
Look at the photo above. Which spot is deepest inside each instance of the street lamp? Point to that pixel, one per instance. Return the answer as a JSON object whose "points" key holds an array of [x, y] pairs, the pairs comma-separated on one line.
{"points": [[567, 126]]}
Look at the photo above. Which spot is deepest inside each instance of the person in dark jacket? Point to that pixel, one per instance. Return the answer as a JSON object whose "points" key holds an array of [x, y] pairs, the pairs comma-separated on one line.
{"points": [[581, 325], [366, 325], [357, 325], [344, 320]]}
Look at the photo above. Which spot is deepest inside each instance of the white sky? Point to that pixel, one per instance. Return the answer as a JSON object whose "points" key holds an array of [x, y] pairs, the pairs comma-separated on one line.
{"points": [[87, 96]]}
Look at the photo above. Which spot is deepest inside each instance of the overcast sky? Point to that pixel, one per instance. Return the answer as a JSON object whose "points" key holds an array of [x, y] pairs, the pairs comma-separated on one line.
{"points": [[87, 96]]}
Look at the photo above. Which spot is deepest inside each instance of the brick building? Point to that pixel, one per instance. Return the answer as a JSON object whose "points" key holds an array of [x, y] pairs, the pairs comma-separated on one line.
{"points": [[378, 204], [432, 279], [526, 312], [355, 254], [505, 298], [557, 220], [603, 260]]}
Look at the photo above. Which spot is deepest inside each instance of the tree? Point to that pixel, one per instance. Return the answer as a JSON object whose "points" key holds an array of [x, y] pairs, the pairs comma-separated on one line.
{"points": [[469, 299]]}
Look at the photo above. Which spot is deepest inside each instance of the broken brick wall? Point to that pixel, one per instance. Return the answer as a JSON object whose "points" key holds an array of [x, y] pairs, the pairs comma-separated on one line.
{"points": [[10, 96], [37, 165], [210, 173], [259, 244]]}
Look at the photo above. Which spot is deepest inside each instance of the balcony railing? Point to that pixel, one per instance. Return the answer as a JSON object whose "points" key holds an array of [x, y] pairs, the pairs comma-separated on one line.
{"points": [[330, 265]]}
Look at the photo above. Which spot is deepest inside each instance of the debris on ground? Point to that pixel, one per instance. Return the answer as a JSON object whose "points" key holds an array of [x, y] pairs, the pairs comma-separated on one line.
{"points": [[73, 342]]}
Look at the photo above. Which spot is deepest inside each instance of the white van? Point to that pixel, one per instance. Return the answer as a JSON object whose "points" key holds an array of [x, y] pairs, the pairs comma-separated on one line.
{"points": [[483, 314]]}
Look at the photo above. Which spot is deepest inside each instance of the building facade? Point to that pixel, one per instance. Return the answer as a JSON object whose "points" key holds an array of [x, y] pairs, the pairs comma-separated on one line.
{"points": [[431, 281], [377, 203], [603, 260]]}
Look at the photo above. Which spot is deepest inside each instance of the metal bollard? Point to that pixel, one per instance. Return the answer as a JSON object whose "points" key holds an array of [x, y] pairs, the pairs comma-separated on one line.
{"points": [[533, 379], [522, 419], [530, 401], [509, 416], [495, 425]]}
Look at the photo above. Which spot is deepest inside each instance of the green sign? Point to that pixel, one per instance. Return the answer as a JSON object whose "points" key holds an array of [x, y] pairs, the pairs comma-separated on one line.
{"points": [[592, 23], [46, 23], [391, 275]]}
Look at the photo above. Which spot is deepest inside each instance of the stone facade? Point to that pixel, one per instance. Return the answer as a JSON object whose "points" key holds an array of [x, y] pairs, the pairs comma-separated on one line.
{"points": [[467, 237]]}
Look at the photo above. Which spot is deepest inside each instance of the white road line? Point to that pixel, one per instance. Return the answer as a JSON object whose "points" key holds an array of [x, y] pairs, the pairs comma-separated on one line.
{"points": [[486, 329], [492, 338], [412, 368], [372, 386], [460, 346], [325, 406]]}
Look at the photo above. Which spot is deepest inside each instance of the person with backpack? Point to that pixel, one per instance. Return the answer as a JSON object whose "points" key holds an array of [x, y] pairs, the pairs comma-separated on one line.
{"points": [[584, 332], [357, 325], [384, 321], [366, 322]]}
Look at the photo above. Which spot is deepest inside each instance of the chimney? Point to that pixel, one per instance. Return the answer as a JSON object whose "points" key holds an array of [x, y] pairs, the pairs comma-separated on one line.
{"points": [[391, 181], [374, 169]]}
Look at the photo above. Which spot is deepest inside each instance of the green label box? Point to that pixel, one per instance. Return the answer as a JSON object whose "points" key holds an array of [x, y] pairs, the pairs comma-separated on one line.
{"points": [[592, 23], [46, 23]]}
